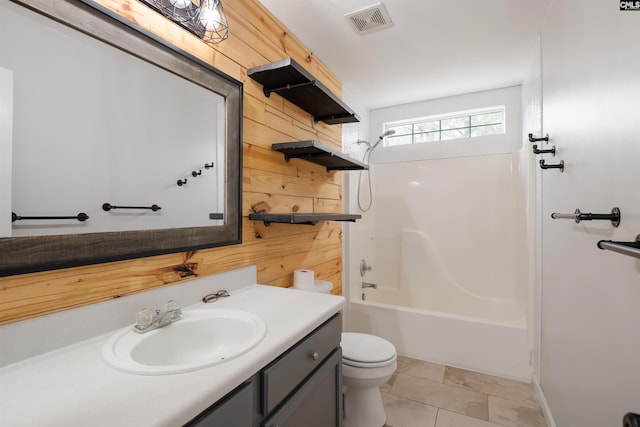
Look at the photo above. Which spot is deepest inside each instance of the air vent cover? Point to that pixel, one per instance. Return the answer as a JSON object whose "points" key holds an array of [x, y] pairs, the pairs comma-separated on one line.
{"points": [[372, 18]]}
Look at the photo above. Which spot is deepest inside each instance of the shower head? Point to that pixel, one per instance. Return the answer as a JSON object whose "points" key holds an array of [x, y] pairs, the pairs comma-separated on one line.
{"points": [[381, 137]]}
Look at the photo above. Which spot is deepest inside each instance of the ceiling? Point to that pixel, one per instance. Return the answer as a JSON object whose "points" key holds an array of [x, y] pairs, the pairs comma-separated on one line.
{"points": [[435, 48]]}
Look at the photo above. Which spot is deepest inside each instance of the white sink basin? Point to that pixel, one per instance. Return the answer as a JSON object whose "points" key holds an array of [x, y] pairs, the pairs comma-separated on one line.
{"points": [[200, 339]]}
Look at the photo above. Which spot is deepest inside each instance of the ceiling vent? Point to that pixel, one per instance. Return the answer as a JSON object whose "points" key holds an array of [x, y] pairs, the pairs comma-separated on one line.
{"points": [[369, 19]]}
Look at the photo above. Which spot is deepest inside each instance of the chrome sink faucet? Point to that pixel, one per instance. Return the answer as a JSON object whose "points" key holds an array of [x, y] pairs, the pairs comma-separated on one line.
{"points": [[146, 320], [369, 285]]}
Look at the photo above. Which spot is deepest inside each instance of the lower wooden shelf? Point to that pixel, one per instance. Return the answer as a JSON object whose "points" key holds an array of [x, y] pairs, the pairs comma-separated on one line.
{"points": [[307, 218]]}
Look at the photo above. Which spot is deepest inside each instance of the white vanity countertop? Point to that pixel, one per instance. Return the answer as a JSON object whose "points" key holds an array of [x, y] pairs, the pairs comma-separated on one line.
{"points": [[72, 386]]}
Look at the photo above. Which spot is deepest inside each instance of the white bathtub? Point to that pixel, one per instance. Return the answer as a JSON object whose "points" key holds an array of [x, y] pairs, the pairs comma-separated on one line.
{"points": [[447, 242], [496, 345]]}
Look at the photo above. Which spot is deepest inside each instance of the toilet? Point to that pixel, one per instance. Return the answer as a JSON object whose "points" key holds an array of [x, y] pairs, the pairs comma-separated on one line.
{"points": [[368, 362]]}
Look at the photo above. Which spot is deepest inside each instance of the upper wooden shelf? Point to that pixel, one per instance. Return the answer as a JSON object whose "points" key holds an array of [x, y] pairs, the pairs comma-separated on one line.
{"points": [[309, 218], [316, 152], [289, 79]]}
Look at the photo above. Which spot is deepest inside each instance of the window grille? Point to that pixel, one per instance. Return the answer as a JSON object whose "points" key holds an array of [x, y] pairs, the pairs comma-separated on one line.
{"points": [[447, 127]]}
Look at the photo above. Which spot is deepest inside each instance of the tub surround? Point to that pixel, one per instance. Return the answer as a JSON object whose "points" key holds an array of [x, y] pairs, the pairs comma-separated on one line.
{"points": [[461, 341], [72, 386]]}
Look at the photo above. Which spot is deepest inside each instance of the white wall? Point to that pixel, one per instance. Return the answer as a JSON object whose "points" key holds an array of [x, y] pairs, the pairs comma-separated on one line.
{"points": [[353, 249], [532, 123], [590, 348], [494, 144], [6, 127]]}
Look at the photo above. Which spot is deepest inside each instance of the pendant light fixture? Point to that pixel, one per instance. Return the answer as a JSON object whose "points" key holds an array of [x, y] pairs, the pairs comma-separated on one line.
{"points": [[204, 18]]}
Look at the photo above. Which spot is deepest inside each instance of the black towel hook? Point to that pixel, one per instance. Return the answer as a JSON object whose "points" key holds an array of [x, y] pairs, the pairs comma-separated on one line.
{"points": [[560, 165], [551, 150], [544, 138]]}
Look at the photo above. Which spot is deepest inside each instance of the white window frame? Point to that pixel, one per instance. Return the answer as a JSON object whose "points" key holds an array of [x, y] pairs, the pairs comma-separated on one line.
{"points": [[440, 118]]}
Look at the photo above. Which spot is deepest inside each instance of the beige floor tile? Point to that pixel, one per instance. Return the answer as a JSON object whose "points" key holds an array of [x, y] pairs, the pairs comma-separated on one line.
{"points": [[407, 413], [494, 386], [421, 369], [510, 413], [387, 387], [455, 399], [451, 419]]}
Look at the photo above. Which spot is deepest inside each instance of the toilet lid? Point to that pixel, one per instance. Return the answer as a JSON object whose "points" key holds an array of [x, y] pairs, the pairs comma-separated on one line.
{"points": [[365, 348]]}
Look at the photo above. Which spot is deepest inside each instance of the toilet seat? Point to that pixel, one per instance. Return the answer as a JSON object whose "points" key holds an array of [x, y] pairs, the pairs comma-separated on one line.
{"points": [[366, 351]]}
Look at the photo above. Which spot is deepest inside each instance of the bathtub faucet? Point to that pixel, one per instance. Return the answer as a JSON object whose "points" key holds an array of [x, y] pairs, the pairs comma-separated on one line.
{"points": [[369, 285]]}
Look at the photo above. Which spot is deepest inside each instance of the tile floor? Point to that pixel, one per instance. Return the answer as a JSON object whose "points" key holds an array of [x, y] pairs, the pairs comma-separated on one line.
{"points": [[423, 394]]}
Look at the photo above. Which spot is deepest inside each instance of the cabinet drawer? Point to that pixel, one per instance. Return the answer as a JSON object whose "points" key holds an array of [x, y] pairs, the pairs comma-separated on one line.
{"points": [[283, 375], [317, 403], [235, 409]]}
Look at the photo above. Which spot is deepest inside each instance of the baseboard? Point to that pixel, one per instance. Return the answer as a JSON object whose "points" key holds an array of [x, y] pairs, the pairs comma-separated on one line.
{"points": [[543, 403]]}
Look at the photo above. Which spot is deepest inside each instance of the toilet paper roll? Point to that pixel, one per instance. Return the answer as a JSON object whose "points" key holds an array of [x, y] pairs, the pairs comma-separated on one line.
{"points": [[303, 279]]}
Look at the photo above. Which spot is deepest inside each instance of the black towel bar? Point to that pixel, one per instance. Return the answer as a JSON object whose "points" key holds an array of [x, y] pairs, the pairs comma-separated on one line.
{"points": [[80, 217], [625, 248], [108, 206]]}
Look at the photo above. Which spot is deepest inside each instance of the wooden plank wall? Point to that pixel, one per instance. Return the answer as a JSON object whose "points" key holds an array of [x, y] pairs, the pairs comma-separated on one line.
{"points": [[256, 38]]}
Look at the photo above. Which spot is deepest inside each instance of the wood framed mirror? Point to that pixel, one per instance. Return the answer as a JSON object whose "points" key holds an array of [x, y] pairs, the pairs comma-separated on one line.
{"points": [[51, 249]]}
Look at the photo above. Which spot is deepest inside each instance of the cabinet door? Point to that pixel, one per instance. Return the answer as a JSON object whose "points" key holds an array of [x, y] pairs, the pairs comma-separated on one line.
{"points": [[236, 409], [318, 401]]}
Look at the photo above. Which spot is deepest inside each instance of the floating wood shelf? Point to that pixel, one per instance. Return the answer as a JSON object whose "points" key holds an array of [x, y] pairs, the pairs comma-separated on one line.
{"points": [[289, 79], [310, 218], [316, 152]]}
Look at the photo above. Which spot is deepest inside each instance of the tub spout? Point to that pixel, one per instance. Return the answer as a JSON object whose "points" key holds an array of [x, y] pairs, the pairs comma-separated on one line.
{"points": [[369, 285]]}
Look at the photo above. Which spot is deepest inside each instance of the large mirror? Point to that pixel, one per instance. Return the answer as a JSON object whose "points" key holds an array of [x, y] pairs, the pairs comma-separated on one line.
{"points": [[121, 145]]}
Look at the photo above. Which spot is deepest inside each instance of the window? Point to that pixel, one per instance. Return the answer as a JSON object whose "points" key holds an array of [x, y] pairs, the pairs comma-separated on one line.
{"points": [[469, 124]]}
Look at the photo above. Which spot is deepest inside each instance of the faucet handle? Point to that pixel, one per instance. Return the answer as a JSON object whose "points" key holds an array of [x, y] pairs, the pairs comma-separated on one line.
{"points": [[172, 308], [171, 305], [144, 318]]}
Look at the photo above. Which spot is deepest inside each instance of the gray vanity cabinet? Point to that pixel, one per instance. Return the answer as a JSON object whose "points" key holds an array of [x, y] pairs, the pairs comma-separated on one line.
{"points": [[235, 409], [300, 388], [317, 402]]}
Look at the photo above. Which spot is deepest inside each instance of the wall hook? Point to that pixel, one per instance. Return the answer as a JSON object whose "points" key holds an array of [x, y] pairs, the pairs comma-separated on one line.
{"points": [[532, 139], [552, 150], [578, 216], [182, 182], [207, 166], [196, 174], [560, 165]]}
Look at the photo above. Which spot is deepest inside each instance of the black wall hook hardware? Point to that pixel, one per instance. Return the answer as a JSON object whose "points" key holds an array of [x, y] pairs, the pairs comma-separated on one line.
{"points": [[631, 420], [578, 216], [207, 166], [80, 217], [196, 174], [560, 165], [532, 139], [552, 150], [625, 248], [107, 207], [182, 182]]}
